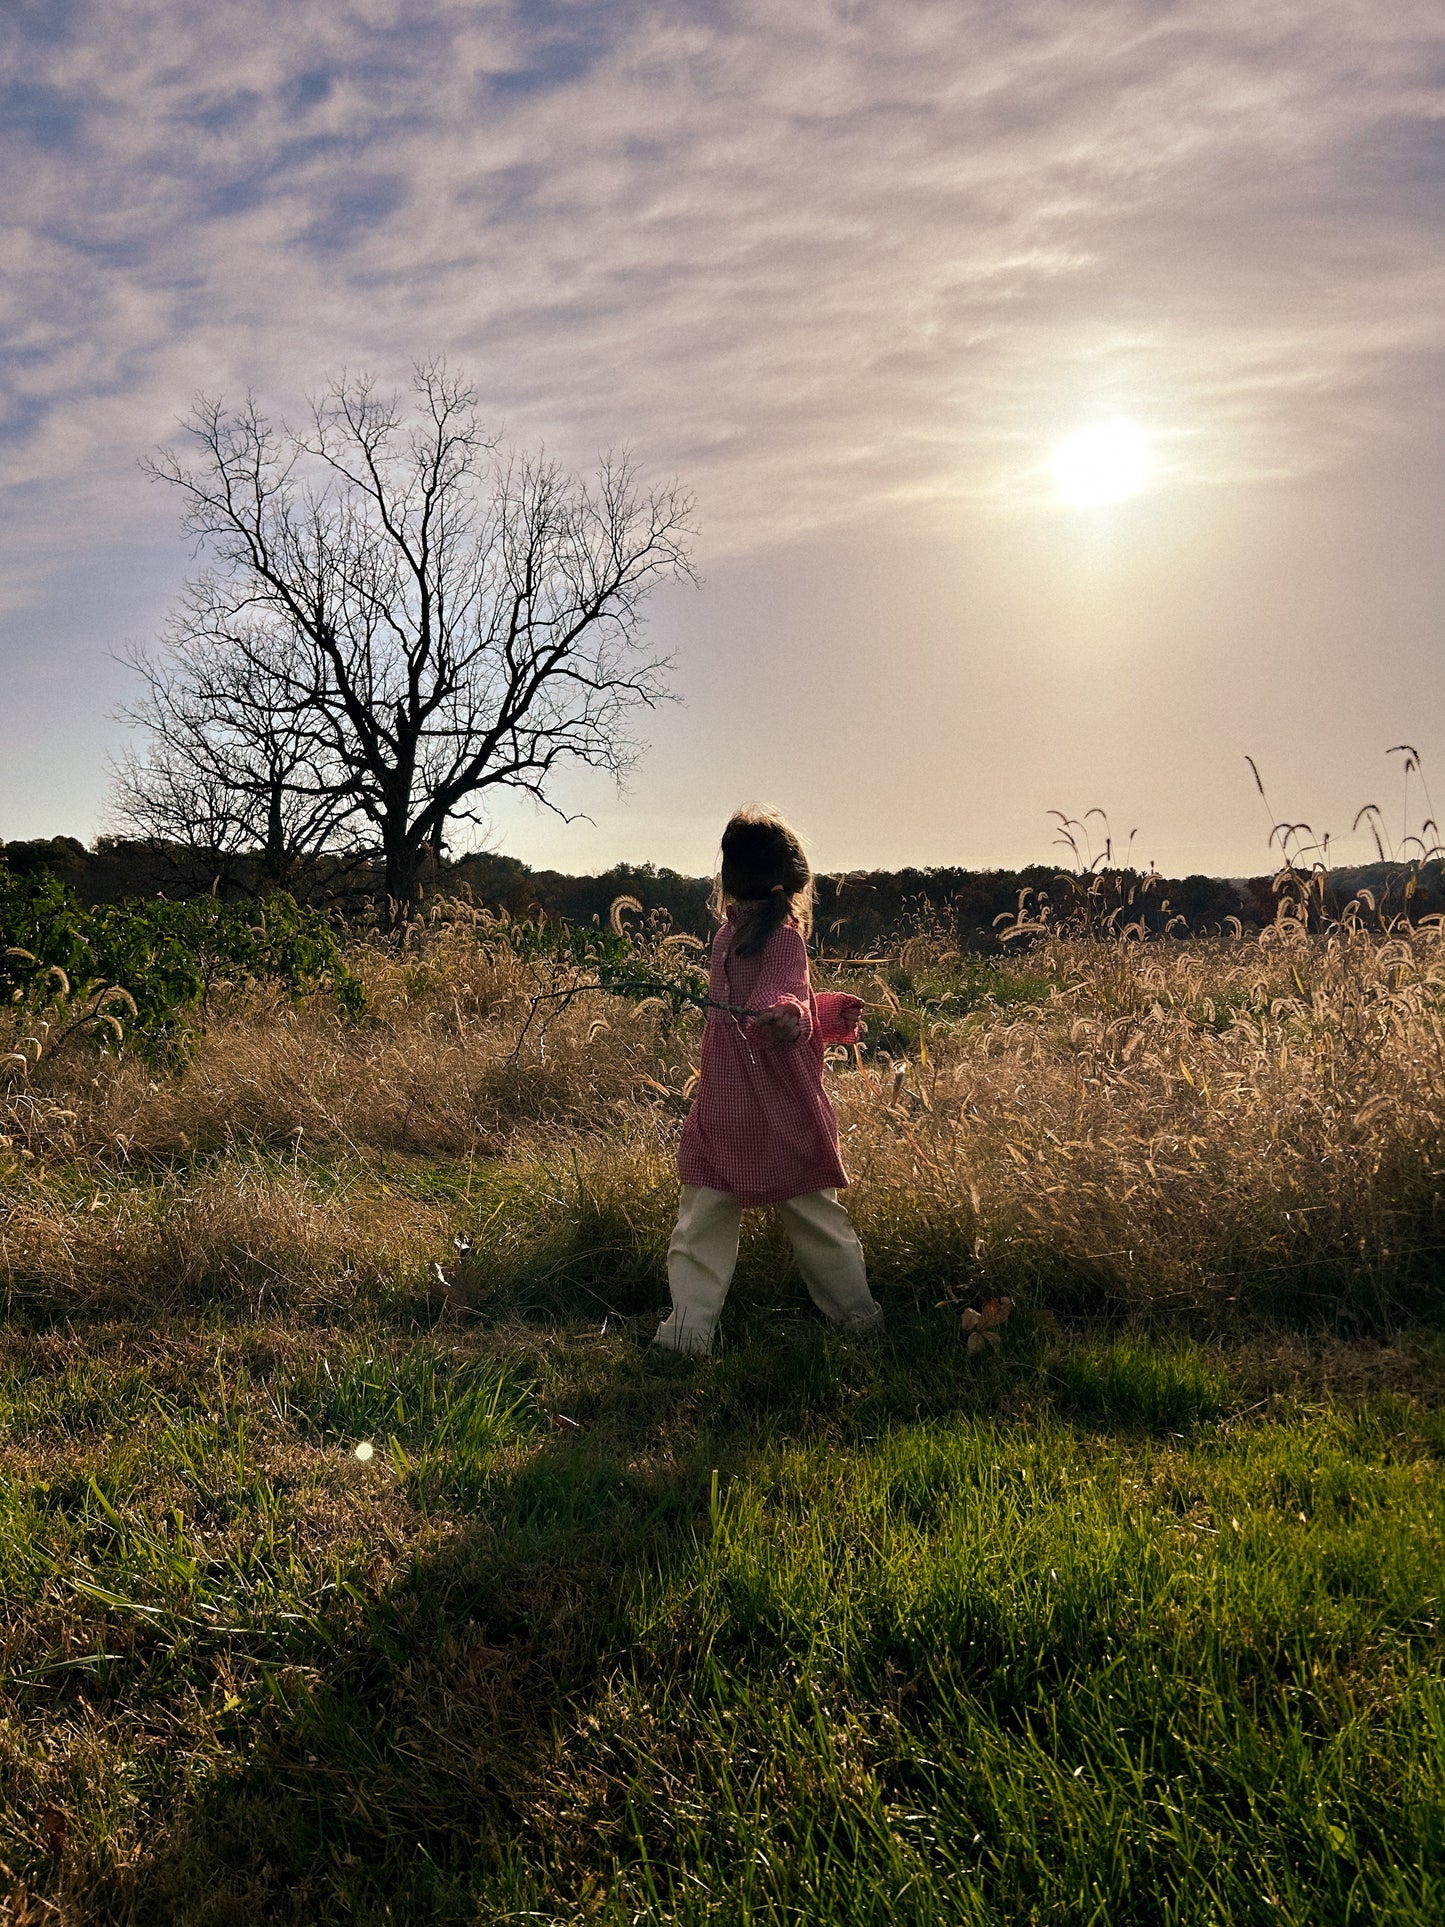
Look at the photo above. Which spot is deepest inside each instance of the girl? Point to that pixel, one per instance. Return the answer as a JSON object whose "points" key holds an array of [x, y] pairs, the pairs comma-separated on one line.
{"points": [[760, 1130]]}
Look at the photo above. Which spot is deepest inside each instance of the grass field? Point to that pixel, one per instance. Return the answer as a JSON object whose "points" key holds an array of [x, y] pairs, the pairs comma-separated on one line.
{"points": [[1137, 1620]]}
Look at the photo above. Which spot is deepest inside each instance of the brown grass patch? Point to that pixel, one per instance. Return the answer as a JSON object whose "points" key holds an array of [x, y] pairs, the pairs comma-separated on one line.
{"points": [[242, 1233], [1186, 1126]]}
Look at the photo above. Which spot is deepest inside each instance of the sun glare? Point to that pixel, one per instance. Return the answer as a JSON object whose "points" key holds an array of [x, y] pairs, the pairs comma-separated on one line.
{"points": [[1106, 462]]}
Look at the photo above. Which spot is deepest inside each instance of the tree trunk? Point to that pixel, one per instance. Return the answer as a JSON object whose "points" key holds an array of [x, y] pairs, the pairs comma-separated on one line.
{"points": [[275, 863], [403, 867]]}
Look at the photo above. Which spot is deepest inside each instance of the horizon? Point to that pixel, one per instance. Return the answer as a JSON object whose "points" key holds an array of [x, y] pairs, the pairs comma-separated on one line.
{"points": [[1303, 863]]}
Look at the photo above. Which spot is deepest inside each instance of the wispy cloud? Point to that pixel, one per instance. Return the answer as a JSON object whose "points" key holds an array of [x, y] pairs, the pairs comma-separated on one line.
{"points": [[813, 255]]}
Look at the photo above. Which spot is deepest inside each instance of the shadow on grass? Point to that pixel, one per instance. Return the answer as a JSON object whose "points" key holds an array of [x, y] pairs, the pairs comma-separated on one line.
{"points": [[390, 1770], [400, 1762]]}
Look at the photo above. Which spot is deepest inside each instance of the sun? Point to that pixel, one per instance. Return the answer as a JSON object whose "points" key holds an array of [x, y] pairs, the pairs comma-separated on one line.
{"points": [[1106, 462]]}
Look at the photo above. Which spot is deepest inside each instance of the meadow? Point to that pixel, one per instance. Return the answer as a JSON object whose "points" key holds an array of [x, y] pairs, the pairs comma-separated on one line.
{"points": [[358, 1563]]}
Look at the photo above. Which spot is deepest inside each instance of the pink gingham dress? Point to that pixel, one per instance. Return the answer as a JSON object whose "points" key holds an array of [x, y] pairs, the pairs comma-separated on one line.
{"points": [[760, 1125]]}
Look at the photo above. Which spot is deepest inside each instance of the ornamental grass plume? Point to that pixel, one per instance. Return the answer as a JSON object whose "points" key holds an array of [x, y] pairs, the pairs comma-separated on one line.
{"points": [[1177, 1124], [1097, 1123]]}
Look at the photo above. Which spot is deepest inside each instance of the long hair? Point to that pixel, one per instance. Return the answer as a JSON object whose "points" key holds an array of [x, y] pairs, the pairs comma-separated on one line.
{"points": [[764, 876]]}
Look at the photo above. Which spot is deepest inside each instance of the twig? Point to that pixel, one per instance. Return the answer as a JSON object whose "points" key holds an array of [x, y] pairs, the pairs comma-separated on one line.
{"points": [[650, 986]]}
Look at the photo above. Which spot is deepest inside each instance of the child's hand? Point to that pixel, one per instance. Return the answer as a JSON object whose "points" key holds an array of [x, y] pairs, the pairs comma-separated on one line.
{"points": [[839, 1014], [781, 1025]]}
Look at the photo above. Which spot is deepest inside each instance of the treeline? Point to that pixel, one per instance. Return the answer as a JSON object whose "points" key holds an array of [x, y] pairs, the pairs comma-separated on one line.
{"points": [[860, 910], [856, 912]]}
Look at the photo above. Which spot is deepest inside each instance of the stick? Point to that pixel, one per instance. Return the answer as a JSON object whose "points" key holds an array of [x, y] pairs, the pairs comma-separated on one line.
{"points": [[653, 986]]}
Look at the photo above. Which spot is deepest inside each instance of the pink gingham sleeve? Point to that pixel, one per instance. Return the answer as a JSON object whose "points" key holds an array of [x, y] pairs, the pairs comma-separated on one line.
{"points": [[783, 984]]}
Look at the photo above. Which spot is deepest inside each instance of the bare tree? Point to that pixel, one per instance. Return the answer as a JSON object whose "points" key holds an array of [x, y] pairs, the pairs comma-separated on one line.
{"points": [[235, 769], [434, 618]]}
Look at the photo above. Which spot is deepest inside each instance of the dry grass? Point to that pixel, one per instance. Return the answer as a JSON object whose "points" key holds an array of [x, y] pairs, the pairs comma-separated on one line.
{"points": [[427, 1071], [241, 1233], [1178, 1126]]}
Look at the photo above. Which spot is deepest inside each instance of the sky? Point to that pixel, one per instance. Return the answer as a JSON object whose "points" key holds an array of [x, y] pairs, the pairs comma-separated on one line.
{"points": [[852, 270]]}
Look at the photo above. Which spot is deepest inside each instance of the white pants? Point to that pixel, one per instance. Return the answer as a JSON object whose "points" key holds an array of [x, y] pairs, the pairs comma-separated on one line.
{"points": [[704, 1251]]}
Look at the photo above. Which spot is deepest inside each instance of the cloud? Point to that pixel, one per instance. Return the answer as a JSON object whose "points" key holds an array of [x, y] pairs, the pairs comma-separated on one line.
{"points": [[818, 257]]}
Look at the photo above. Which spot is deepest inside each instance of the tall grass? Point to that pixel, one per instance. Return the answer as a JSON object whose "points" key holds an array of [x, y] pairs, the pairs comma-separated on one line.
{"points": [[1254, 1123], [1136, 1621]]}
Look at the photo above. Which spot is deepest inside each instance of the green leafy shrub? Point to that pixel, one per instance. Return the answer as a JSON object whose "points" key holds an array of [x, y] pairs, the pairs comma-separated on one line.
{"points": [[168, 957]]}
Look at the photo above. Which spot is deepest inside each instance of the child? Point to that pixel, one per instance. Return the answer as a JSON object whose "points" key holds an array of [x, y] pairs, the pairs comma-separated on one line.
{"points": [[760, 1130]]}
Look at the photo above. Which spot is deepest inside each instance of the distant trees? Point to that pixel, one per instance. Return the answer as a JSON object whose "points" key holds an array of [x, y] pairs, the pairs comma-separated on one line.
{"points": [[397, 617]]}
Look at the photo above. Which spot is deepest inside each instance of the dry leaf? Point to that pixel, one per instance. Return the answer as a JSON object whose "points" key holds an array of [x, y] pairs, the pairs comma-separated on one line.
{"points": [[982, 1326]]}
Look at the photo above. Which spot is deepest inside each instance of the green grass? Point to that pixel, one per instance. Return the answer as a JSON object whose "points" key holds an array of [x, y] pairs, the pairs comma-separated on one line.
{"points": [[933, 998], [1118, 1627]]}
